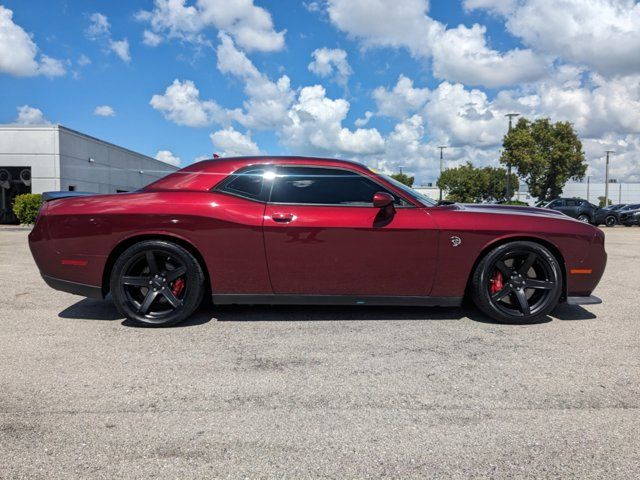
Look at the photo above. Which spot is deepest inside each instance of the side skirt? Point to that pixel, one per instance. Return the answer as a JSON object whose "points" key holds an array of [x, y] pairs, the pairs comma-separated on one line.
{"points": [[252, 299]]}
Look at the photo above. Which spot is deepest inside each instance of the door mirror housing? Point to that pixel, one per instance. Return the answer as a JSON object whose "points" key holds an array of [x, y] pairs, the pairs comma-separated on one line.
{"points": [[382, 199]]}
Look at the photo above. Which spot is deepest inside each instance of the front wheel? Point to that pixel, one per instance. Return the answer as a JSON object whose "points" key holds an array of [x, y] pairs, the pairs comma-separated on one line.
{"points": [[518, 282], [156, 283]]}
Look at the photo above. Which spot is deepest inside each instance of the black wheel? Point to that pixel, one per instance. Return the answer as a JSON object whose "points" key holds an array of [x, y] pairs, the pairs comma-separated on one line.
{"points": [[611, 221], [584, 218], [157, 283], [519, 282]]}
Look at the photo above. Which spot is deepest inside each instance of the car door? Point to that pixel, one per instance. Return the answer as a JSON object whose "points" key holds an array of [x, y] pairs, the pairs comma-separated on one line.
{"points": [[323, 236], [571, 208]]}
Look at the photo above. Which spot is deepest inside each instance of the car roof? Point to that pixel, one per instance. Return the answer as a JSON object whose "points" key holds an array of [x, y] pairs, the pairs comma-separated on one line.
{"points": [[206, 174]]}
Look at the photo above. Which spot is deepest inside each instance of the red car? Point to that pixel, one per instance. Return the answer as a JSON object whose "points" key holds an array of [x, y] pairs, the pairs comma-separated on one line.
{"points": [[293, 230]]}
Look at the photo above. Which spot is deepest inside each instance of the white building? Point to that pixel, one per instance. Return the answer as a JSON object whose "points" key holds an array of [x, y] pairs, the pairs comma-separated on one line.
{"points": [[41, 158]]}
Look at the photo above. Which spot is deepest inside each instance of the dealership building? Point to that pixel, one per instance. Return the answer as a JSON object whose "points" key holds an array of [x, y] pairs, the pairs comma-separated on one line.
{"points": [[41, 158]]}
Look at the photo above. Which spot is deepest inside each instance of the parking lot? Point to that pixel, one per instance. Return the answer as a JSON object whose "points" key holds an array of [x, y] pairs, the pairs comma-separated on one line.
{"points": [[316, 391]]}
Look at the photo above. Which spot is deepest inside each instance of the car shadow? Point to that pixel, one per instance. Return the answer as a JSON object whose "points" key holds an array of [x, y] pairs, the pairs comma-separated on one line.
{"points": [[95, 309], [91, 309], [572, 312], [328, 313]]}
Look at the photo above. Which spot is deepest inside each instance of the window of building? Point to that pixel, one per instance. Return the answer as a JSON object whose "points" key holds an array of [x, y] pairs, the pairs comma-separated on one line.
{"points": [[72, 188]]}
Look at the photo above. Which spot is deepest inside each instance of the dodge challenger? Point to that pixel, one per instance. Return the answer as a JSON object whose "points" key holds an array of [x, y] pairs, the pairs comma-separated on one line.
{"points": [[294, 230]]}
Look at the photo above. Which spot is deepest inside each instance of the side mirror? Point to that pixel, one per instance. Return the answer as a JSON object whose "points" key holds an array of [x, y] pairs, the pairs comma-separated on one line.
{"points": [[382, 199]]}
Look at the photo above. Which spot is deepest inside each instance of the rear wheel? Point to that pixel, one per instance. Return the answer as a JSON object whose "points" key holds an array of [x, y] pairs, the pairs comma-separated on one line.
{"points": [[584, 218], [157, 283], [610, 221], [519, 282]]}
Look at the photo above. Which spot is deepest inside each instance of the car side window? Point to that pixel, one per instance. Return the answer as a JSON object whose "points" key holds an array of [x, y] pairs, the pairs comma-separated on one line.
{"points": [[556, 203], [247, 182], [571, 203], [324, 186]]}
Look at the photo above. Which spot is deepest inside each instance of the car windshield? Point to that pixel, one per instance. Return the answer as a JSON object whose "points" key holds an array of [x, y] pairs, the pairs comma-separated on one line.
{"points": [[429, 202]]}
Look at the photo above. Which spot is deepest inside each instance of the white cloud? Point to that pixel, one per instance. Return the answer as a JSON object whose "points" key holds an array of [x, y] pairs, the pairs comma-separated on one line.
{"points": [[151, 39], [100, 30], [250, 26], [167, 156], [497, 6], [182, 105], [601, 34], [403, 23], [361, 122], [19, 54], [331, 62], [30, 116], [83, 60], [121, 49], [460, 54], [232, 143], [267, 102], [104, 111], [402, 100], [316, 127]]}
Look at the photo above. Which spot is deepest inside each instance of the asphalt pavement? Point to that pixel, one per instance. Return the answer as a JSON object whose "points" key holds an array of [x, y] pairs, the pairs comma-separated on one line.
{"points": [[318, 392]]}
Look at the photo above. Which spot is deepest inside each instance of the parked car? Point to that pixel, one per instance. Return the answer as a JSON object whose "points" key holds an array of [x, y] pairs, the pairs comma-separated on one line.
{"points": [[609, 216], [574, 207], [295, 230], [630, 215]]}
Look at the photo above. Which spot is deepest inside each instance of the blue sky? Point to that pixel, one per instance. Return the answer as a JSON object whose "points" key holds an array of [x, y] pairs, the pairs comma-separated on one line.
{"points": [[427, 73]]}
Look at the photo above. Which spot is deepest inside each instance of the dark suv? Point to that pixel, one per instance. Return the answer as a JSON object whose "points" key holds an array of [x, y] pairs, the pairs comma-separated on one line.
{"points": [[574, 207]]}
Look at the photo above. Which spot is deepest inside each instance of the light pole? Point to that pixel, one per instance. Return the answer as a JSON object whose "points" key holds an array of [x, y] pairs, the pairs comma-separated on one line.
{"points": [[606, 179], [588, 177], [400, 167], [441, 147], [511, 117]]}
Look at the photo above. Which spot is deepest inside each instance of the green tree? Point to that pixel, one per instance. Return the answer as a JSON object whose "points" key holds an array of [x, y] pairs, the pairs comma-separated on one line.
{"points": [[601, 201], [468, 184], [403, 178], [26, 207], [545, 155]]}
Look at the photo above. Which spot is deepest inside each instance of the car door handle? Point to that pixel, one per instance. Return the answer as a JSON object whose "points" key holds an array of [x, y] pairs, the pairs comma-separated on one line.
{"points": [[283, 217]]}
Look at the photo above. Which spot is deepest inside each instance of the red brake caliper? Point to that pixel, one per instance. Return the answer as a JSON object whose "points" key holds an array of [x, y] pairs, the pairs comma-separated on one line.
{"points": [[177, 287], [496, 282]]}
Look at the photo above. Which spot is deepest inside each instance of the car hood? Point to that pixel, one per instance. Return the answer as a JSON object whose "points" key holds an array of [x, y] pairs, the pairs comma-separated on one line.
{"points": [[512, 209]]}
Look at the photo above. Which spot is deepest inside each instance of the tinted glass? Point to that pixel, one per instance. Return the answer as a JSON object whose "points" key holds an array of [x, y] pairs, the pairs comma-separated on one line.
{"points": [[326, 186], [245, 183], [571, 203], [555, 203]]}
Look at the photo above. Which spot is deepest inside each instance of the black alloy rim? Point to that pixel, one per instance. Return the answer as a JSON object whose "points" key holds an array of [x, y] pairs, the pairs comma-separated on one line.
{"points": [[155, 283], [527, 283], [610, 221]]}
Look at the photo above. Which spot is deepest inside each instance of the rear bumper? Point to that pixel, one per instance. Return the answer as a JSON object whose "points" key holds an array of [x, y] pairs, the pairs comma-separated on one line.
{"points": [[73, 287], [590, 300]]}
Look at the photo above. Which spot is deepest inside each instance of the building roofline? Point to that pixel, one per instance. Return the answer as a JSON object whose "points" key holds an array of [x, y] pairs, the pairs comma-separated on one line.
{"points": [[58, 127]]}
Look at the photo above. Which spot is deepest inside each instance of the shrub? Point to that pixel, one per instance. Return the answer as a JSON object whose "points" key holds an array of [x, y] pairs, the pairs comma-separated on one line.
{"points": [[26, 207], [516, 202]]}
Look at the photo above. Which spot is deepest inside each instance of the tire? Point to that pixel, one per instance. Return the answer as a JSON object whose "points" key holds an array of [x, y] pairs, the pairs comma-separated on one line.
{"points": [[156, 283], [610, 221], [584, 218], [530, 275]]}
